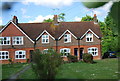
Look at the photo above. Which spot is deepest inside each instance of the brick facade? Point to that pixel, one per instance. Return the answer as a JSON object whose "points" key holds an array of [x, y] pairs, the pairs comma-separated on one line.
{"points": [[78, 46]]}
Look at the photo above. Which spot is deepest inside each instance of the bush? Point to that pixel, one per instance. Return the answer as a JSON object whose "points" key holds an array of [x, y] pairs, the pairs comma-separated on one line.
{"points": [[72, 58], [27, 60], [10, 60], [45, 65], [88, 58]]}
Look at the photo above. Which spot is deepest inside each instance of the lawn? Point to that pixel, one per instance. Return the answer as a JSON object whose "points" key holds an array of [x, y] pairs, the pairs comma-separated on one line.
{"points": [[10, 69], [103, 69]]}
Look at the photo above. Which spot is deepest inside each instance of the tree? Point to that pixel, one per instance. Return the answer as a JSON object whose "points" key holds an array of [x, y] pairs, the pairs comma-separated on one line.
{"points": [[45, 65], [87, 18], [110, 38], [48, 20], [60, 18]]}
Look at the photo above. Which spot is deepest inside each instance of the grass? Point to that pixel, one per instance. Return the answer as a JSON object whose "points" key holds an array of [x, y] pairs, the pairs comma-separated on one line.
{"points": [[103, 69], [10, 69]]}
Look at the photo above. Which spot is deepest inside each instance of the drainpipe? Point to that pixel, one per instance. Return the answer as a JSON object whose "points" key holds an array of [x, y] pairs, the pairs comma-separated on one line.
{"points": [[56, 45], [78, 48], [34, 44]]}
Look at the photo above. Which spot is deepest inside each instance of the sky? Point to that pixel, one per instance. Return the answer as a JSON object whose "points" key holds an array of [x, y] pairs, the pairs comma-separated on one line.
{"points": [[31, 11]]}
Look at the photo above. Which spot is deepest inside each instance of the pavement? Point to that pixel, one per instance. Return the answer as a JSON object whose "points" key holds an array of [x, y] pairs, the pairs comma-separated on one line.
{"points": [[15, 76]]}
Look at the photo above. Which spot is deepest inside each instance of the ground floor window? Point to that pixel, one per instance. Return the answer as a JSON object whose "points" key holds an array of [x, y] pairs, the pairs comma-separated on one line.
{"points": [[20, 54], [65, 51], [93, 51], [4, 55]]}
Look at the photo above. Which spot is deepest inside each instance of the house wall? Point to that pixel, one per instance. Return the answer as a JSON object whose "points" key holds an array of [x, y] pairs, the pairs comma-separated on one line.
{"points": [[11, 31], [51, 43], [96, 41]]}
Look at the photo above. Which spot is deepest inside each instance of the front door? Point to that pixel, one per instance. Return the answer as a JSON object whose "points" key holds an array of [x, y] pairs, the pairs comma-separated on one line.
{"points": [[76, 51], [31, 53], [81, 52]]}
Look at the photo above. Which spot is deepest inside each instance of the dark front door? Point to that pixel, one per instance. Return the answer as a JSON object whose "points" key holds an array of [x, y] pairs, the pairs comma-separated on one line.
{"points": [[81, 52], [76, 51], [31, 53]]}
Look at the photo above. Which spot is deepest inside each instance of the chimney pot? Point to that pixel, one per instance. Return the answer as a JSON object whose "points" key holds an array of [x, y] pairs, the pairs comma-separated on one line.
{"points": [[55, 20], [15, 20], [95, 19]]}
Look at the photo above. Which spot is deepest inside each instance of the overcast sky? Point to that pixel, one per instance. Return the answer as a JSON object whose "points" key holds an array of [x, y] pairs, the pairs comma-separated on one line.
{"points": [[29, 11]]}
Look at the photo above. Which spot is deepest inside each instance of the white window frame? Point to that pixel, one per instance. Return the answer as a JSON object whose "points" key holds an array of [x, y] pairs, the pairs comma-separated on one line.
{"points": [[93, 52], [23, 53], [2, 39], [45, 51], [14, 39], [64, 53], [68, 38], [89, 37], [45, 37], [4, 55]]}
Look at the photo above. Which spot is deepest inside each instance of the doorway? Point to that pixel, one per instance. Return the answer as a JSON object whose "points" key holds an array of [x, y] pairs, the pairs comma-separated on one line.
{"points": [[81, 52], [31, 54], [76, 51]]}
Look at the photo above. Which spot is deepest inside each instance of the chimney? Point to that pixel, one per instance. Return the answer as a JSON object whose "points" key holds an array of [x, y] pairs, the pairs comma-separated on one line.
{"points": [[15, 20], [95, 19], [55, 20]]}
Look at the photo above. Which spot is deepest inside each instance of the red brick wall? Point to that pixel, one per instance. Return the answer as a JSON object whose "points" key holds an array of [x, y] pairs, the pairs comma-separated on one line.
{"points": [[12, 55], [11, 31]]}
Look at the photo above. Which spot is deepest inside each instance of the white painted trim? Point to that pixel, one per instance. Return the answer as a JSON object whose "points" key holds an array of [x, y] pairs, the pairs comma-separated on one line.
{"points": [[45, 39], [90, 31], [43, 33], [5, 26], [18, 44], [67, 39], [22, 54], [4, 55], [94, 51], [18, 29], [65, 32]]}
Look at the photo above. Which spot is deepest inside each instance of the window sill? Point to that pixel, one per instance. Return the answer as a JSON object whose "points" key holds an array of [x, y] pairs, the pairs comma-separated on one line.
{"points": [[20, 58]]}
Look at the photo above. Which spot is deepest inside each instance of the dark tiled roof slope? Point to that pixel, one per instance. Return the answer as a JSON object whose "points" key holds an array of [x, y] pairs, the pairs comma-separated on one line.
{"points": [[33, 30]]}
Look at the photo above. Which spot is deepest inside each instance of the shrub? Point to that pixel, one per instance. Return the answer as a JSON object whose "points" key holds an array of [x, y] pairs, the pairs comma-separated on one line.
{"points": [[45, 65], [72, 58], [27, 60], [88, 58], [10, 60]]}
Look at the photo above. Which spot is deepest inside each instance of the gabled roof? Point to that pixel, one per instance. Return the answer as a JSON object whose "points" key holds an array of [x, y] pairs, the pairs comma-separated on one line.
{"points": [[18, 29], [77, 29]]}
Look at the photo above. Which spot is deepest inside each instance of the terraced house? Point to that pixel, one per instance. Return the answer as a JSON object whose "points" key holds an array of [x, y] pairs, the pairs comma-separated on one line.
{"points": [[18, 40]]}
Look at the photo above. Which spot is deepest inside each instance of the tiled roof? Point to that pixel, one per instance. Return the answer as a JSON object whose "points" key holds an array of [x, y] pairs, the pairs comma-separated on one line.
{"points": [[33, 30]]}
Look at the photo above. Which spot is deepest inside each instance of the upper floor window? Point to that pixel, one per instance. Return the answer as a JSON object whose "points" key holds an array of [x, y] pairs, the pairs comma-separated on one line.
{"points": [[20, 54], [93, 51], [89, 37], [4, 55], [45, 38], [18, 40], [65, 51], [4, 40], [67, 38]]}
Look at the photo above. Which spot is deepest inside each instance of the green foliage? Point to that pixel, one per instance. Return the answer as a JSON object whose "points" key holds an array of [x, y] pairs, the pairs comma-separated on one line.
{"points": [[60, 18], [10, 60], [110, 38], [72, 58], [27, 60], [48, 20], [45, 65], [93, 4], [87, 18], [88, 58]]}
